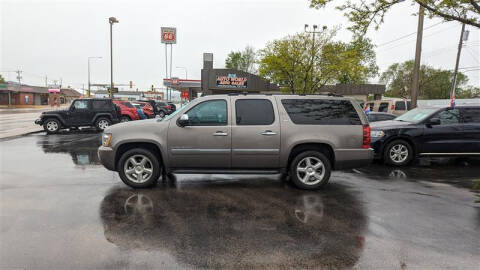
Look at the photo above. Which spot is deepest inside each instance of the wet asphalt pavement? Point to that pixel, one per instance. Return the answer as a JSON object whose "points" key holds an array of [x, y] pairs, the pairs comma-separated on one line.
{"points": [[60, 209]]}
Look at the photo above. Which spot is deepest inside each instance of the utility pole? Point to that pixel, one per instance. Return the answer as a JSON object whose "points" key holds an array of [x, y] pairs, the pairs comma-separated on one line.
{"points": [[46, 81], [19, 78], [111, 20], [460, 44], [418, 52]]}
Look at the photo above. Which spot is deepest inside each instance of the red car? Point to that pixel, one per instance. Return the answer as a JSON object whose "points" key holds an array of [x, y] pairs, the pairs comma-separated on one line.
{"points": [[128, 111], [147, 109]]}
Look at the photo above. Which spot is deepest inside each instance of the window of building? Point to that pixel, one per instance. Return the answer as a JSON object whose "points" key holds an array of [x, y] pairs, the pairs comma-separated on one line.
{"points": [[321, 112], [208, 113], [254, 112]]}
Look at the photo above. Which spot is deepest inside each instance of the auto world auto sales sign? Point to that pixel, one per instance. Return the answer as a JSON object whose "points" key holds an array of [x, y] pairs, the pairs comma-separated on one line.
{"points": [[232, 81]]}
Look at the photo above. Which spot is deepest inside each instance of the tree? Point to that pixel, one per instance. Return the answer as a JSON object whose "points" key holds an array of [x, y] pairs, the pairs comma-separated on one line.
{"points": [[367, 12], [302, 64], [434, 83], [242, 60], [2, 80]]}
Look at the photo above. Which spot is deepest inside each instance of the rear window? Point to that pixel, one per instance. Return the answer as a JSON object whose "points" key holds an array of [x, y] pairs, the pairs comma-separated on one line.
{"points": [[321, 112], [128, 104], [400, 105], [383, 107], [101, 105], [254, 112], [471, 115]]}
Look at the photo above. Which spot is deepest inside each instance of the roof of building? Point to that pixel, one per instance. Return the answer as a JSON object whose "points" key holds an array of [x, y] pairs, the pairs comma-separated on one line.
{"points": [[13, 86], [128, 93]]}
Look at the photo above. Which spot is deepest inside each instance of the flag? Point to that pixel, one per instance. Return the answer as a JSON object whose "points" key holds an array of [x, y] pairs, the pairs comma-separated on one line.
{"points": [[452, 101], [366, 110]]}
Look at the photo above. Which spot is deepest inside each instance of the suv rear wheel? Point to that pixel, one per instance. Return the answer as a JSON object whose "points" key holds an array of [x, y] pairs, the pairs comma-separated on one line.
{"points": [[310, 170], [139, 168], [51, 125], [102, 123], [125, 119], [161, 114], [398, 153]]}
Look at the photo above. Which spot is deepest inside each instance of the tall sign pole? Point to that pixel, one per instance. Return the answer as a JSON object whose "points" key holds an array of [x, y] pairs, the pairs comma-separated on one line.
{"points": [[169, 36], [111, 20], [418, 54], [460, 43]]}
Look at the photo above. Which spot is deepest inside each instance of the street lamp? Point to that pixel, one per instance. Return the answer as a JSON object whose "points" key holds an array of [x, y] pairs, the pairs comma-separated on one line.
{"points": [[90, 57], [186, 73], [111, 20]]}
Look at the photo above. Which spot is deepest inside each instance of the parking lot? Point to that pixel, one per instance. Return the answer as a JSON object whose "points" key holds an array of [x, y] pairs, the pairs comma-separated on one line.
{"points": [[61, 209]]}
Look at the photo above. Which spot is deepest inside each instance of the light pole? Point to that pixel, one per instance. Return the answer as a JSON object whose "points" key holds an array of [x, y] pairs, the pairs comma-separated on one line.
{"points": [[186, 73], [111, 20], [90, 57], [312, 60]]}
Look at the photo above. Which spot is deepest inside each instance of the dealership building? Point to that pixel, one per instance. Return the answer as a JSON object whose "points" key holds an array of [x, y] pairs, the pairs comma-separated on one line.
{"points": [[225, 81]]}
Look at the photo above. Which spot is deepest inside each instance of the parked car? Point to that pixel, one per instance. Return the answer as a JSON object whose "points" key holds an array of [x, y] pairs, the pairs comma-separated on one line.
{"points": [[152, 103], [127, 110], [163, 108], [173, 107], [147, 109], [395, 106], [99, 113], [304, 136], [450, 132], [376, 116], [140, 112]]}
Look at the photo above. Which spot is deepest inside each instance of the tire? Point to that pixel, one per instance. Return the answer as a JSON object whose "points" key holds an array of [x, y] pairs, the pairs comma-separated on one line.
{"points": [[315, 173], [161, 114], [125, 118], [130, 168], [398, 153], [51, 126], [102, 123]]}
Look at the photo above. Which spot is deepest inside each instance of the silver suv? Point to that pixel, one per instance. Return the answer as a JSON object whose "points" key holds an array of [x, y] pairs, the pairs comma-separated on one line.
{"points": [[304, 136]]}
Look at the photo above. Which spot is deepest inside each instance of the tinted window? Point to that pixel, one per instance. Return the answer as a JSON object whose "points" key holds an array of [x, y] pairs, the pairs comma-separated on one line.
{"points": [[372, 106], [321, 112], [400, 105], [383, 107], [448, 117], [80, 104], [208, 113], [161, 104], [471, 115], [254, 112], [409, 105], [101, 105]]}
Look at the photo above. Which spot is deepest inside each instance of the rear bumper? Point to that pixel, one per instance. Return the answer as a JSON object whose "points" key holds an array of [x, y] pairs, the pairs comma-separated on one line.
{"points": [[107, 157], [352, 158]]}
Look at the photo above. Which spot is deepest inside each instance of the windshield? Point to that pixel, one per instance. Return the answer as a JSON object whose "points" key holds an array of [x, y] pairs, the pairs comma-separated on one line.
{"points": [[416, 115], [168, 117]]}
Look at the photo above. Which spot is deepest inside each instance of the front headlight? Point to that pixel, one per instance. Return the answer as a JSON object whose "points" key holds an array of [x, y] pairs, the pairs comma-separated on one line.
{"points": [[377, 133], [106, 139]]}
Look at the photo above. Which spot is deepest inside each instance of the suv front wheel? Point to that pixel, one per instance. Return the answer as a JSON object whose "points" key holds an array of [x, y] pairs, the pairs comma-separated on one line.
{"points": [[102, 123], [139, 168], [398, 153], [310, 170], [51, 126]]}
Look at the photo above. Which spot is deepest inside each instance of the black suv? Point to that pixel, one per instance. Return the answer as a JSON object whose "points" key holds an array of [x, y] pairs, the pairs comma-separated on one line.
{"points": [[449, 132], [99, 113]]}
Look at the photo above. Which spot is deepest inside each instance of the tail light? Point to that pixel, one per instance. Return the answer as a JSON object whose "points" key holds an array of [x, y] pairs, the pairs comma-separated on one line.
{"points": [[392, 107], [366, 137], [168, 107]]}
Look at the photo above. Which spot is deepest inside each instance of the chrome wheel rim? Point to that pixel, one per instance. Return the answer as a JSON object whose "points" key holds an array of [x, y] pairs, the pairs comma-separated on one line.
{"points": [[138, 168], [52, 126], [103, 124], [124, 119], [398, 153], [161, 114], [310, 170]]}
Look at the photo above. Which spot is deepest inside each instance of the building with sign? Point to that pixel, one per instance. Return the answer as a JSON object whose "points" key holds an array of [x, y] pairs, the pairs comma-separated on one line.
{"points": [[28, 95]]}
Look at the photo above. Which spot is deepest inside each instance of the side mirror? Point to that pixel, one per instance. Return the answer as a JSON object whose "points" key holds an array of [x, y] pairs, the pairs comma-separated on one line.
{"points": [[434, 121], [183, 120]]}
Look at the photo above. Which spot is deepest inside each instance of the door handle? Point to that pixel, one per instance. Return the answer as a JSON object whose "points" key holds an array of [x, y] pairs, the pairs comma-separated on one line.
{"points": [[220, 133], [268, 133]]}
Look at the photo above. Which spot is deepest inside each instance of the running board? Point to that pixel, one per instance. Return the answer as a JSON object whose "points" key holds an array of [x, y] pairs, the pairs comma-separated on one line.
{"points": [[223, 171]]}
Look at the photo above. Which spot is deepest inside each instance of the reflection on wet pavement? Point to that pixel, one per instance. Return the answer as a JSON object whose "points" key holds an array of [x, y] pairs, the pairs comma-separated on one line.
{"points": [[60, 209], [243, 225]]}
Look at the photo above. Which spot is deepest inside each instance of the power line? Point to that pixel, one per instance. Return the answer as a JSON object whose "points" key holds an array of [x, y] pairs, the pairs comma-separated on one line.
{"points": [[408, 35]]}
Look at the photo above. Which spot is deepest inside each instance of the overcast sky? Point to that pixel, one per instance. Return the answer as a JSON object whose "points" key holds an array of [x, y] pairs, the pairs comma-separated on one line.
{"points": [[54, 38]]}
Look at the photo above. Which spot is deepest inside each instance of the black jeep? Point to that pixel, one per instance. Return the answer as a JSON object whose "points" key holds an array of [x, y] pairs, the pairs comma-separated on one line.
{"points": [[99, 113]]}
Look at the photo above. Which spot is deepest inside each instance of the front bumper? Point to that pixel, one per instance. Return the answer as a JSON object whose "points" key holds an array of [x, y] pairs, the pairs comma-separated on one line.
{"points": [[39, 121], [352, 158], [107, 157]]}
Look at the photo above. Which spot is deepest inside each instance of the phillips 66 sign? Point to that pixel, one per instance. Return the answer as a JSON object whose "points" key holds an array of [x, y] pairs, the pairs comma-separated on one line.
{"points": [[169, 35]]}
